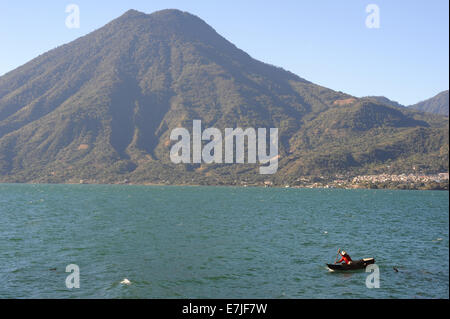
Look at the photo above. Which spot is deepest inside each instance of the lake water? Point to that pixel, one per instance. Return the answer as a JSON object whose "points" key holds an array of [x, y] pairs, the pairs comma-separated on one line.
{"points": [[220, 242]]}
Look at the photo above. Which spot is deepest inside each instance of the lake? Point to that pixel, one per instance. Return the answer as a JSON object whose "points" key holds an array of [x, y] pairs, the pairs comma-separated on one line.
{"points": [[220, 242]]}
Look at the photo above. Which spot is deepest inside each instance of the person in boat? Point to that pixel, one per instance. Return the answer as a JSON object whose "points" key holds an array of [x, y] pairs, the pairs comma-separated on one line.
{"points": [[345, 258]]}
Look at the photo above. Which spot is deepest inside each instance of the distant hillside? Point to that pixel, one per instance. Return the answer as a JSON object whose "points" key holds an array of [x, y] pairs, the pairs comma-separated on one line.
{"points": [[438, 104], [101, 109], [383, 100]]}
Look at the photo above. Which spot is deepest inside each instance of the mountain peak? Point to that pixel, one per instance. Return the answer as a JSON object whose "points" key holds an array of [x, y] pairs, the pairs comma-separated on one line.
{"points": [[167, 15], [132, 12], [170, 12], [163, 22]]}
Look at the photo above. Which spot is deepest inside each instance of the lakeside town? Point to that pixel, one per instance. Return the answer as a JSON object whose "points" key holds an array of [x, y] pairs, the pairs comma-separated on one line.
{"points": [[438, 181]]}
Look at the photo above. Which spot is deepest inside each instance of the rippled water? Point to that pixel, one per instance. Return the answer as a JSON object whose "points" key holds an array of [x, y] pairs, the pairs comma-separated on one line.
{"points": [[220, 242]]}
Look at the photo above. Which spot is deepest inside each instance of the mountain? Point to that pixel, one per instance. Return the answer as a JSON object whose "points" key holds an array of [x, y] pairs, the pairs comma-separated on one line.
{"points": [[101, 109], [437, 104], [383, 100]]}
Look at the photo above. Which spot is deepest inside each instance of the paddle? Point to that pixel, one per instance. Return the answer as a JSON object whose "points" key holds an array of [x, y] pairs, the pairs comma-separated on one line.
{"points": [[337, 256]]}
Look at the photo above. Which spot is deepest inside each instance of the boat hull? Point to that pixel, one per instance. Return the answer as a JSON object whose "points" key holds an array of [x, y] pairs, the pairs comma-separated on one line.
{"points": [[355, 265]]}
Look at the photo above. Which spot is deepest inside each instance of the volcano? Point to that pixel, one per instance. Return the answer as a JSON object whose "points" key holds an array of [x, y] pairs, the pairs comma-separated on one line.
{"points": [[101, 108]]}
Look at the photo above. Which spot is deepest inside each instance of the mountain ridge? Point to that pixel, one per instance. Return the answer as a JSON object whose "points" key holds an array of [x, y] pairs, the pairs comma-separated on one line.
{"points": [[438, 104]]}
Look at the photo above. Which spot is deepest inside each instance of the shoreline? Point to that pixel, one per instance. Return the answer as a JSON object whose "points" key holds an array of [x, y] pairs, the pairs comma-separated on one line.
{"points": [[322, 187]]}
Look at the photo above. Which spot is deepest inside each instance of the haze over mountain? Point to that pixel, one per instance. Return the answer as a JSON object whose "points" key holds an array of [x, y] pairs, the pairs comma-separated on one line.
{"points": [[438, 104], [102, 107]]}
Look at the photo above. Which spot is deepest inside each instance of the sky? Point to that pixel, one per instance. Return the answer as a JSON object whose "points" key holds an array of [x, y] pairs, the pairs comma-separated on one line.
{"points": [[405, 58]]}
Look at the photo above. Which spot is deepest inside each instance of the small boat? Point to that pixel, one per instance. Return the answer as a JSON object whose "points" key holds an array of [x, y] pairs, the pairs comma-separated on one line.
{"points": [[354, 265]]}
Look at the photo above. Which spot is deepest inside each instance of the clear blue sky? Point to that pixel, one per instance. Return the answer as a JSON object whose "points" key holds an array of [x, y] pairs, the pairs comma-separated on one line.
{"points": [[326, 42]]}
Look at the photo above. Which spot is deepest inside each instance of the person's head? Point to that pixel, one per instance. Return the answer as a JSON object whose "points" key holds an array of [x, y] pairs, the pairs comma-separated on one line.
{"points": [[343, 252]]}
